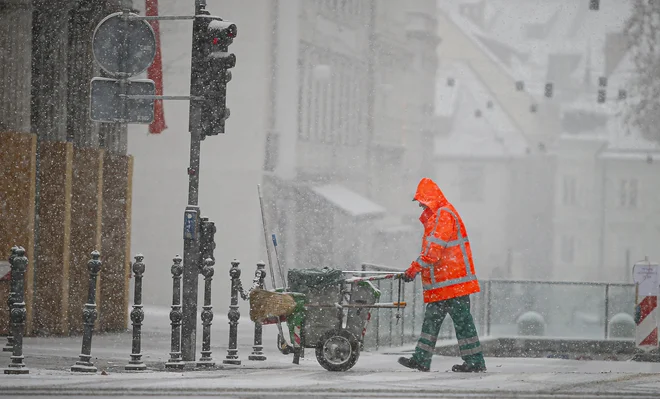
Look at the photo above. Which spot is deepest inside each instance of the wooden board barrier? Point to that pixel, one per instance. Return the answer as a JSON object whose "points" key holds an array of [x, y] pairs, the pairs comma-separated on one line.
{"points": [[115, 242], [54, 227], [17, 194]]}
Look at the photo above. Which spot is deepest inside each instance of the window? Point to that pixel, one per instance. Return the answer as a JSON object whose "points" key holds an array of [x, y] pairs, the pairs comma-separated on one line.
{"points": [[568, 190], [628, 193], [567, 250], [331, 100], [471, 183]]}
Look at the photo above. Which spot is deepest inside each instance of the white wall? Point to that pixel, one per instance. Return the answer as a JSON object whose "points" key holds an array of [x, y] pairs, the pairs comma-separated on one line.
{"points": [[486, 220], [577, 212], [636, 229]]}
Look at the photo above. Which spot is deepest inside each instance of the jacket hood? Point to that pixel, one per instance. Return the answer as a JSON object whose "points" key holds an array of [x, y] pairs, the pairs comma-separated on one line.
{"points": [[429, 194]]}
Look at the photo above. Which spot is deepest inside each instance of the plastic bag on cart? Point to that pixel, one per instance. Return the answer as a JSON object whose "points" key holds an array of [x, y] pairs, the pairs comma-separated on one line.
{"points": [[306, 280]]}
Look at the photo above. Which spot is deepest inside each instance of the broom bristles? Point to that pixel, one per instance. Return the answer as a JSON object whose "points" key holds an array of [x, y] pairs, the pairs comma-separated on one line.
{"points": [[265, 304]]}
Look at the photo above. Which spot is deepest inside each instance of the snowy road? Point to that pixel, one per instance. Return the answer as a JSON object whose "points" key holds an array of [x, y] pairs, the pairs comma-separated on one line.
{"points": [[375, 376]]}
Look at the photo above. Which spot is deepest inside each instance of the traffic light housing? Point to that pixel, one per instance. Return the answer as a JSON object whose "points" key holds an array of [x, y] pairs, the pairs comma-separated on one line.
{"points": [[206, 240], [218, 61]]}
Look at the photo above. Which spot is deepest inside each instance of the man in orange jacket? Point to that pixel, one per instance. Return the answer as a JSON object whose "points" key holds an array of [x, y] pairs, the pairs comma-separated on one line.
{"points": [[448, 278]]}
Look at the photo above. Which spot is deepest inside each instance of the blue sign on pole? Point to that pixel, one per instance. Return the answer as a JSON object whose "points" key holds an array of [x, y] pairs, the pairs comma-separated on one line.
{"points": [[190, 225]]}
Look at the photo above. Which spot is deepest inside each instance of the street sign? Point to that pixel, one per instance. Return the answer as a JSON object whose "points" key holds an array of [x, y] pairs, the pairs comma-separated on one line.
{"points": [[123, 47], [645, 274], [190, 224], [107, 104]]}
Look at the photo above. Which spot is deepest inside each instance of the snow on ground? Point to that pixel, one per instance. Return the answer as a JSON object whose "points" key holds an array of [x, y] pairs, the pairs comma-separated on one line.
{"points": [[376, 375]]}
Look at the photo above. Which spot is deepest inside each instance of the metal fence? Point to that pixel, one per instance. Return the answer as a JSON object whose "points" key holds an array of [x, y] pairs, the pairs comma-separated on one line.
{"points": [[569, 309]]}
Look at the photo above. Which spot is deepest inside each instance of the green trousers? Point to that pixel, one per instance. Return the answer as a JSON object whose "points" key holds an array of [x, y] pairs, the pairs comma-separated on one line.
{"points": [[466, 332]]}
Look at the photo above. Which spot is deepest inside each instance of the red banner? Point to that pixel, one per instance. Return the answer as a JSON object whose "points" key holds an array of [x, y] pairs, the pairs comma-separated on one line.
{"points": [[155, 72]]}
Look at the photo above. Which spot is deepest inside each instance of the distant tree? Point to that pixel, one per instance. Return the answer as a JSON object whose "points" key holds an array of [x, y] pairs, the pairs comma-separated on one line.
{"points": [[643, 32]]}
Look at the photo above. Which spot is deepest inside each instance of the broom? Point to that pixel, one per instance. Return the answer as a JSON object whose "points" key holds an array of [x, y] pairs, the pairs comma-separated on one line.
{"points": [[265, 304]]}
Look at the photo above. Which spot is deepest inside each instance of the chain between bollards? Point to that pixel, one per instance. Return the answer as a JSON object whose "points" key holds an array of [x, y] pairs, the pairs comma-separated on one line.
{"points": [[207, 315], [137, 316], [258, 282], [18, 262], [176, 316], [11, 298], [234, 314], [84, 364]]}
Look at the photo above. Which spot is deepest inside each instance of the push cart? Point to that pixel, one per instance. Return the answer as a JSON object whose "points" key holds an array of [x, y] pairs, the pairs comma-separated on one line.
{"points": [[331, 314]]}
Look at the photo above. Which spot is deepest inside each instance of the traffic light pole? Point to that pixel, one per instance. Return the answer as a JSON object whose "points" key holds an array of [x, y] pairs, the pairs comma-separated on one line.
{"points": [[201, 61], [192, 213]]}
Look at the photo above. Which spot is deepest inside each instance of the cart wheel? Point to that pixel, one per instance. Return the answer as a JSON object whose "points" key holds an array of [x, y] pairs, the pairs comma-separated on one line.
{"points": [[338, 350], [282, 346]]}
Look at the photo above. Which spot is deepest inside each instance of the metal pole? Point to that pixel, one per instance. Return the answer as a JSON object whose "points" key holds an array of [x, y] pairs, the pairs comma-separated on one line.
{"points": [[402, 294], [18, 313], [377, 313], [191, 244], [607, 308], [488, 307], [207, 315], [175, 316], [137, 316], [391, 343], [371, 88], [233, 315], [84, 364], [258, 282], [414, 308], [11, 299]]}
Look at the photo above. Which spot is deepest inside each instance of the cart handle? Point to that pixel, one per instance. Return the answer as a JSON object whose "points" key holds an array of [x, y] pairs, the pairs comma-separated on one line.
{"points": [[382, 305], [388, 276], [368, 272]]}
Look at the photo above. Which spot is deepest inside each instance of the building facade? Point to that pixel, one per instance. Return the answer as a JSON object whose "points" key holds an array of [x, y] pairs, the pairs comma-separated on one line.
{"points": [[361, 120], [577, 203]]}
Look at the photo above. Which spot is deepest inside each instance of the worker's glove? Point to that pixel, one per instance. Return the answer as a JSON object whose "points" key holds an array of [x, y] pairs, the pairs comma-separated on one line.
{"points": [[407, 277]]}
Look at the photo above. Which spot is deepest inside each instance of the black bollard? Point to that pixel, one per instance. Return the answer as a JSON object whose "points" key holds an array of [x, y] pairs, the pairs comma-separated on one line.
{"points": [[234, 315], [18, 312], [176, 316], [207, 315], [258, 282], [84, 364], [137, 316], [11, 298]]}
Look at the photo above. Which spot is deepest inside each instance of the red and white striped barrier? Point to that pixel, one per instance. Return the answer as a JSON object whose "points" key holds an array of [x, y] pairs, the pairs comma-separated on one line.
{"points": [[646, 304]]}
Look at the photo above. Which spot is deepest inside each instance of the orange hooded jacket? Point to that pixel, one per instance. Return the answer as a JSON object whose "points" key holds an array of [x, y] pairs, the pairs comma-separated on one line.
{"points": [[446, 258]]}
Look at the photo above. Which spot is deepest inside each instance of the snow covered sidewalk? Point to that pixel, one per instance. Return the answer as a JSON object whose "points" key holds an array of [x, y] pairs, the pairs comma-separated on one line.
{"points": [[376, 375]]}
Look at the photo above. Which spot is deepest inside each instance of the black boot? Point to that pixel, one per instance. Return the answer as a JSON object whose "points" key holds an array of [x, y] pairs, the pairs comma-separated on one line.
{"points": [[468, 368], [411, 364]]}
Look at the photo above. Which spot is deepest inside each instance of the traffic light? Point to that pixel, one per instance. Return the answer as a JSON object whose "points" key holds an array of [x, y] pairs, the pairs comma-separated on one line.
{"points": [[219, 35], [206, 240]]}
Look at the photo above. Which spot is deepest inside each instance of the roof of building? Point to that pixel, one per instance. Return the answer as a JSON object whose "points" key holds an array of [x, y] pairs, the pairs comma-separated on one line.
{"points": [[349, 201], [539, 41], [480, 128], [563, 43]]}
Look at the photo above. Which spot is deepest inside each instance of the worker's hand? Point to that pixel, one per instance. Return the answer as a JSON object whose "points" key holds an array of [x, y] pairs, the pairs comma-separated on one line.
{"points": [[407, 277]]}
